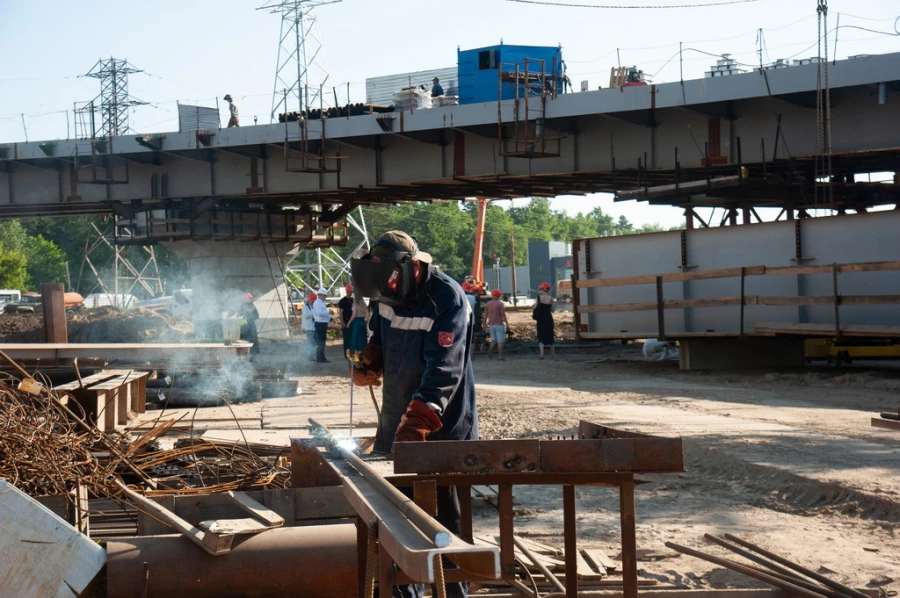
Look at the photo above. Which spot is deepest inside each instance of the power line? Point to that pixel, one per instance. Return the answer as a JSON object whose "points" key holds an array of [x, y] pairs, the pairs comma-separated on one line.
{"points": [[637, 7]]}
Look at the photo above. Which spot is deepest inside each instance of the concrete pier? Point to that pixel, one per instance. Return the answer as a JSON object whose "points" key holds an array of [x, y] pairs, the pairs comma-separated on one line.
{"points": [[223, 272]]}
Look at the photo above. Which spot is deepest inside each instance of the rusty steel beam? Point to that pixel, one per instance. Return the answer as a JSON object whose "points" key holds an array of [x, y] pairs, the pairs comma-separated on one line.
{"points": [[601, 449], [437, 533], [467, 456], [407, 535], [612, 454]]}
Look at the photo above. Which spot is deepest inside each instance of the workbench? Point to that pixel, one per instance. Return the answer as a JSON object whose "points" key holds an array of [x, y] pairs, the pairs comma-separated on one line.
{"points": [[598, 456]]}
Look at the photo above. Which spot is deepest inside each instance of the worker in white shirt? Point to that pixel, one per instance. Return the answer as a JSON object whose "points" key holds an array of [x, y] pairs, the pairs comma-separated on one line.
{"points": [[322, 317], [309, 326]]}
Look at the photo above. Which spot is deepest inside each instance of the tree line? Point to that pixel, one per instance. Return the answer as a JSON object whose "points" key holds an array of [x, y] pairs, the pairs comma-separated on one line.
{"points": [[447, 230], [39, 250]]}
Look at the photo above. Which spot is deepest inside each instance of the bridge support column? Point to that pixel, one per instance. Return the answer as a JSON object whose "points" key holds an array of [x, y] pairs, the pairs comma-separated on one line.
{"points": [[222, 272]]}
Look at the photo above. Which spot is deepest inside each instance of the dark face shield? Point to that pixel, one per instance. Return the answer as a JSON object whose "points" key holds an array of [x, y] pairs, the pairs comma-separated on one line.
{"points": [[388, 279]]}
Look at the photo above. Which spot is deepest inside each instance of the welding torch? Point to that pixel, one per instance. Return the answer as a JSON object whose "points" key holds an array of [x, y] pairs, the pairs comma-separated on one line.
{"points": [[357, 362]]}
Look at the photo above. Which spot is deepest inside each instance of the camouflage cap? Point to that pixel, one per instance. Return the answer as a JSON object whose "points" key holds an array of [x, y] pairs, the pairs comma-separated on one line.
{"points": [[397, 240]]}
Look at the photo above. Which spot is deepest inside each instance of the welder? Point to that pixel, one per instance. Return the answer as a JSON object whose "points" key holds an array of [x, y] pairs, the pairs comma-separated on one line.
{"points": [[421, 343]]}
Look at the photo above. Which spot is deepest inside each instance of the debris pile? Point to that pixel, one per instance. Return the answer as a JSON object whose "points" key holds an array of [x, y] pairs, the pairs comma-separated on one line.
{"points": [[99, 325]]}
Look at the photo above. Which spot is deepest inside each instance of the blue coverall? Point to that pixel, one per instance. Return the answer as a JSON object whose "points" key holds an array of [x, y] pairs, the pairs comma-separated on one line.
{"points": [[427, 357]]}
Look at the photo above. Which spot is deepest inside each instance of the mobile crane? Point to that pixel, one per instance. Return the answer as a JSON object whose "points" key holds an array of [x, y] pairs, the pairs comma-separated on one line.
{"points": [[476, 280]]}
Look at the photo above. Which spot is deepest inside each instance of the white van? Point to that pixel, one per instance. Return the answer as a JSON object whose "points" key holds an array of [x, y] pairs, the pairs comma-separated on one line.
{"points": [[9, 296]]}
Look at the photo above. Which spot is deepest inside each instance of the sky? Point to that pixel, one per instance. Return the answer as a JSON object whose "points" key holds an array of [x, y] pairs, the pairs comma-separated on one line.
{"points": [[195, 51]]}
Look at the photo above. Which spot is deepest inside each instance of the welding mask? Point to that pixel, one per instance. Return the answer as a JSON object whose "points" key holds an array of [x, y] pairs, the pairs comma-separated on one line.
{"points": [[385, 273]]}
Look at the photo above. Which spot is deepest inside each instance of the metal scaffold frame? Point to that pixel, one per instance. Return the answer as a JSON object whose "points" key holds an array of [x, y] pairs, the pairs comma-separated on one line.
{"points": [[324, 267], [147, 276]]}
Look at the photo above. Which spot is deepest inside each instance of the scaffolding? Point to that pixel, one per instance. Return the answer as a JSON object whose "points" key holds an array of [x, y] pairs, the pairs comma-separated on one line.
{"points": [[533, 85], [126, 278], [324, 267]]}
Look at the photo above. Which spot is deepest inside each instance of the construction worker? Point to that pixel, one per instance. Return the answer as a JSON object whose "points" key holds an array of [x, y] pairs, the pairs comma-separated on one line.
{"points": [[436, 89], [248, 312], [309, 326], [543, 315], [495, 314], [421, 342], [322, 317], [235, 120], [345, 305]]}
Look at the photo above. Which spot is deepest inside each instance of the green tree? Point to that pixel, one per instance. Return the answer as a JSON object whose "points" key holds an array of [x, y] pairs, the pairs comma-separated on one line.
{"points": [[653, 227], [13, 235], [13, 274], [623, 227], [45, 261]]}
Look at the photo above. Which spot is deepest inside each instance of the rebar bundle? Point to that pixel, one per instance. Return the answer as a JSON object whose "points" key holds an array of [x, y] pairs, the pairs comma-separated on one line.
{"points": [[46, 448], [42, 450]]}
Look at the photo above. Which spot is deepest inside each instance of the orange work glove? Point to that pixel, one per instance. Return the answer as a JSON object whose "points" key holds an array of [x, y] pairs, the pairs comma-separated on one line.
{"points": [[372, 358], [419, 421], [366, 378]]}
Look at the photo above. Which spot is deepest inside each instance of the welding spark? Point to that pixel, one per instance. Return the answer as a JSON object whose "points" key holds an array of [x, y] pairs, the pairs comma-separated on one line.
{"points": [[348, 445]]}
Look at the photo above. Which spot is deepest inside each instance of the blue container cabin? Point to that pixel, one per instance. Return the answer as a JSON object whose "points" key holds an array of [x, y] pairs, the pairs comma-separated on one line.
{"points": [[479, 74]]}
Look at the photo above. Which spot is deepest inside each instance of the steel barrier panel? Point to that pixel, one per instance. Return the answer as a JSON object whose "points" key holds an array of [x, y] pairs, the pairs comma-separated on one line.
{"points": [[844, 239]]}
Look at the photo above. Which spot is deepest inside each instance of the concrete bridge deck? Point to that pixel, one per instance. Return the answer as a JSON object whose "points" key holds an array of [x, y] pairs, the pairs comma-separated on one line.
{"points": [[615, 140]]}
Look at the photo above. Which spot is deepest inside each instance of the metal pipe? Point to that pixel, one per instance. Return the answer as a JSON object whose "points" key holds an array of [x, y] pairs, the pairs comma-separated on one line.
{"points": [[776, 570], [315, 561], [798, 568], [882, 94], [436, 532], [728, 564]]}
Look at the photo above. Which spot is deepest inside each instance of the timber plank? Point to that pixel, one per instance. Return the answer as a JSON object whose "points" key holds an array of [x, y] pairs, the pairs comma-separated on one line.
{"points": [[585, 572], [867, 331], [887, 424], [257, 510], [600, 560], [669, 277]]}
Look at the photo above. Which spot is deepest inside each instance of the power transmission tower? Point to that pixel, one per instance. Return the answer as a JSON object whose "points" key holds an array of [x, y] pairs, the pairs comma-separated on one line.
{"points": [[114, 101], [301, 55]]}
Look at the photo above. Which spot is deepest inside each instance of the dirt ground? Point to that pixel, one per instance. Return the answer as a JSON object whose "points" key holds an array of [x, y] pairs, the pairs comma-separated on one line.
{"points": [[785, 459]]}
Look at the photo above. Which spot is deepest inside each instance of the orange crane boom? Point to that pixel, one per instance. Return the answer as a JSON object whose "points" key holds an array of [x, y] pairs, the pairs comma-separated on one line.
{"points": [[477, 278]]}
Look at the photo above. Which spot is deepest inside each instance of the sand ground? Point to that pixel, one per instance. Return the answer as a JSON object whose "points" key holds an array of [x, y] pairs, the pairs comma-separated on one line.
{"points": [[786, 459]]}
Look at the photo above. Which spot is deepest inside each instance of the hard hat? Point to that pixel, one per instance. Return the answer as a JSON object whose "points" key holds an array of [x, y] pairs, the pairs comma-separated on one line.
{"points": [[466, 286], [322, 292], [349, 288], [495, 292], [248, 297], [312, 296], [545, 286]]}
